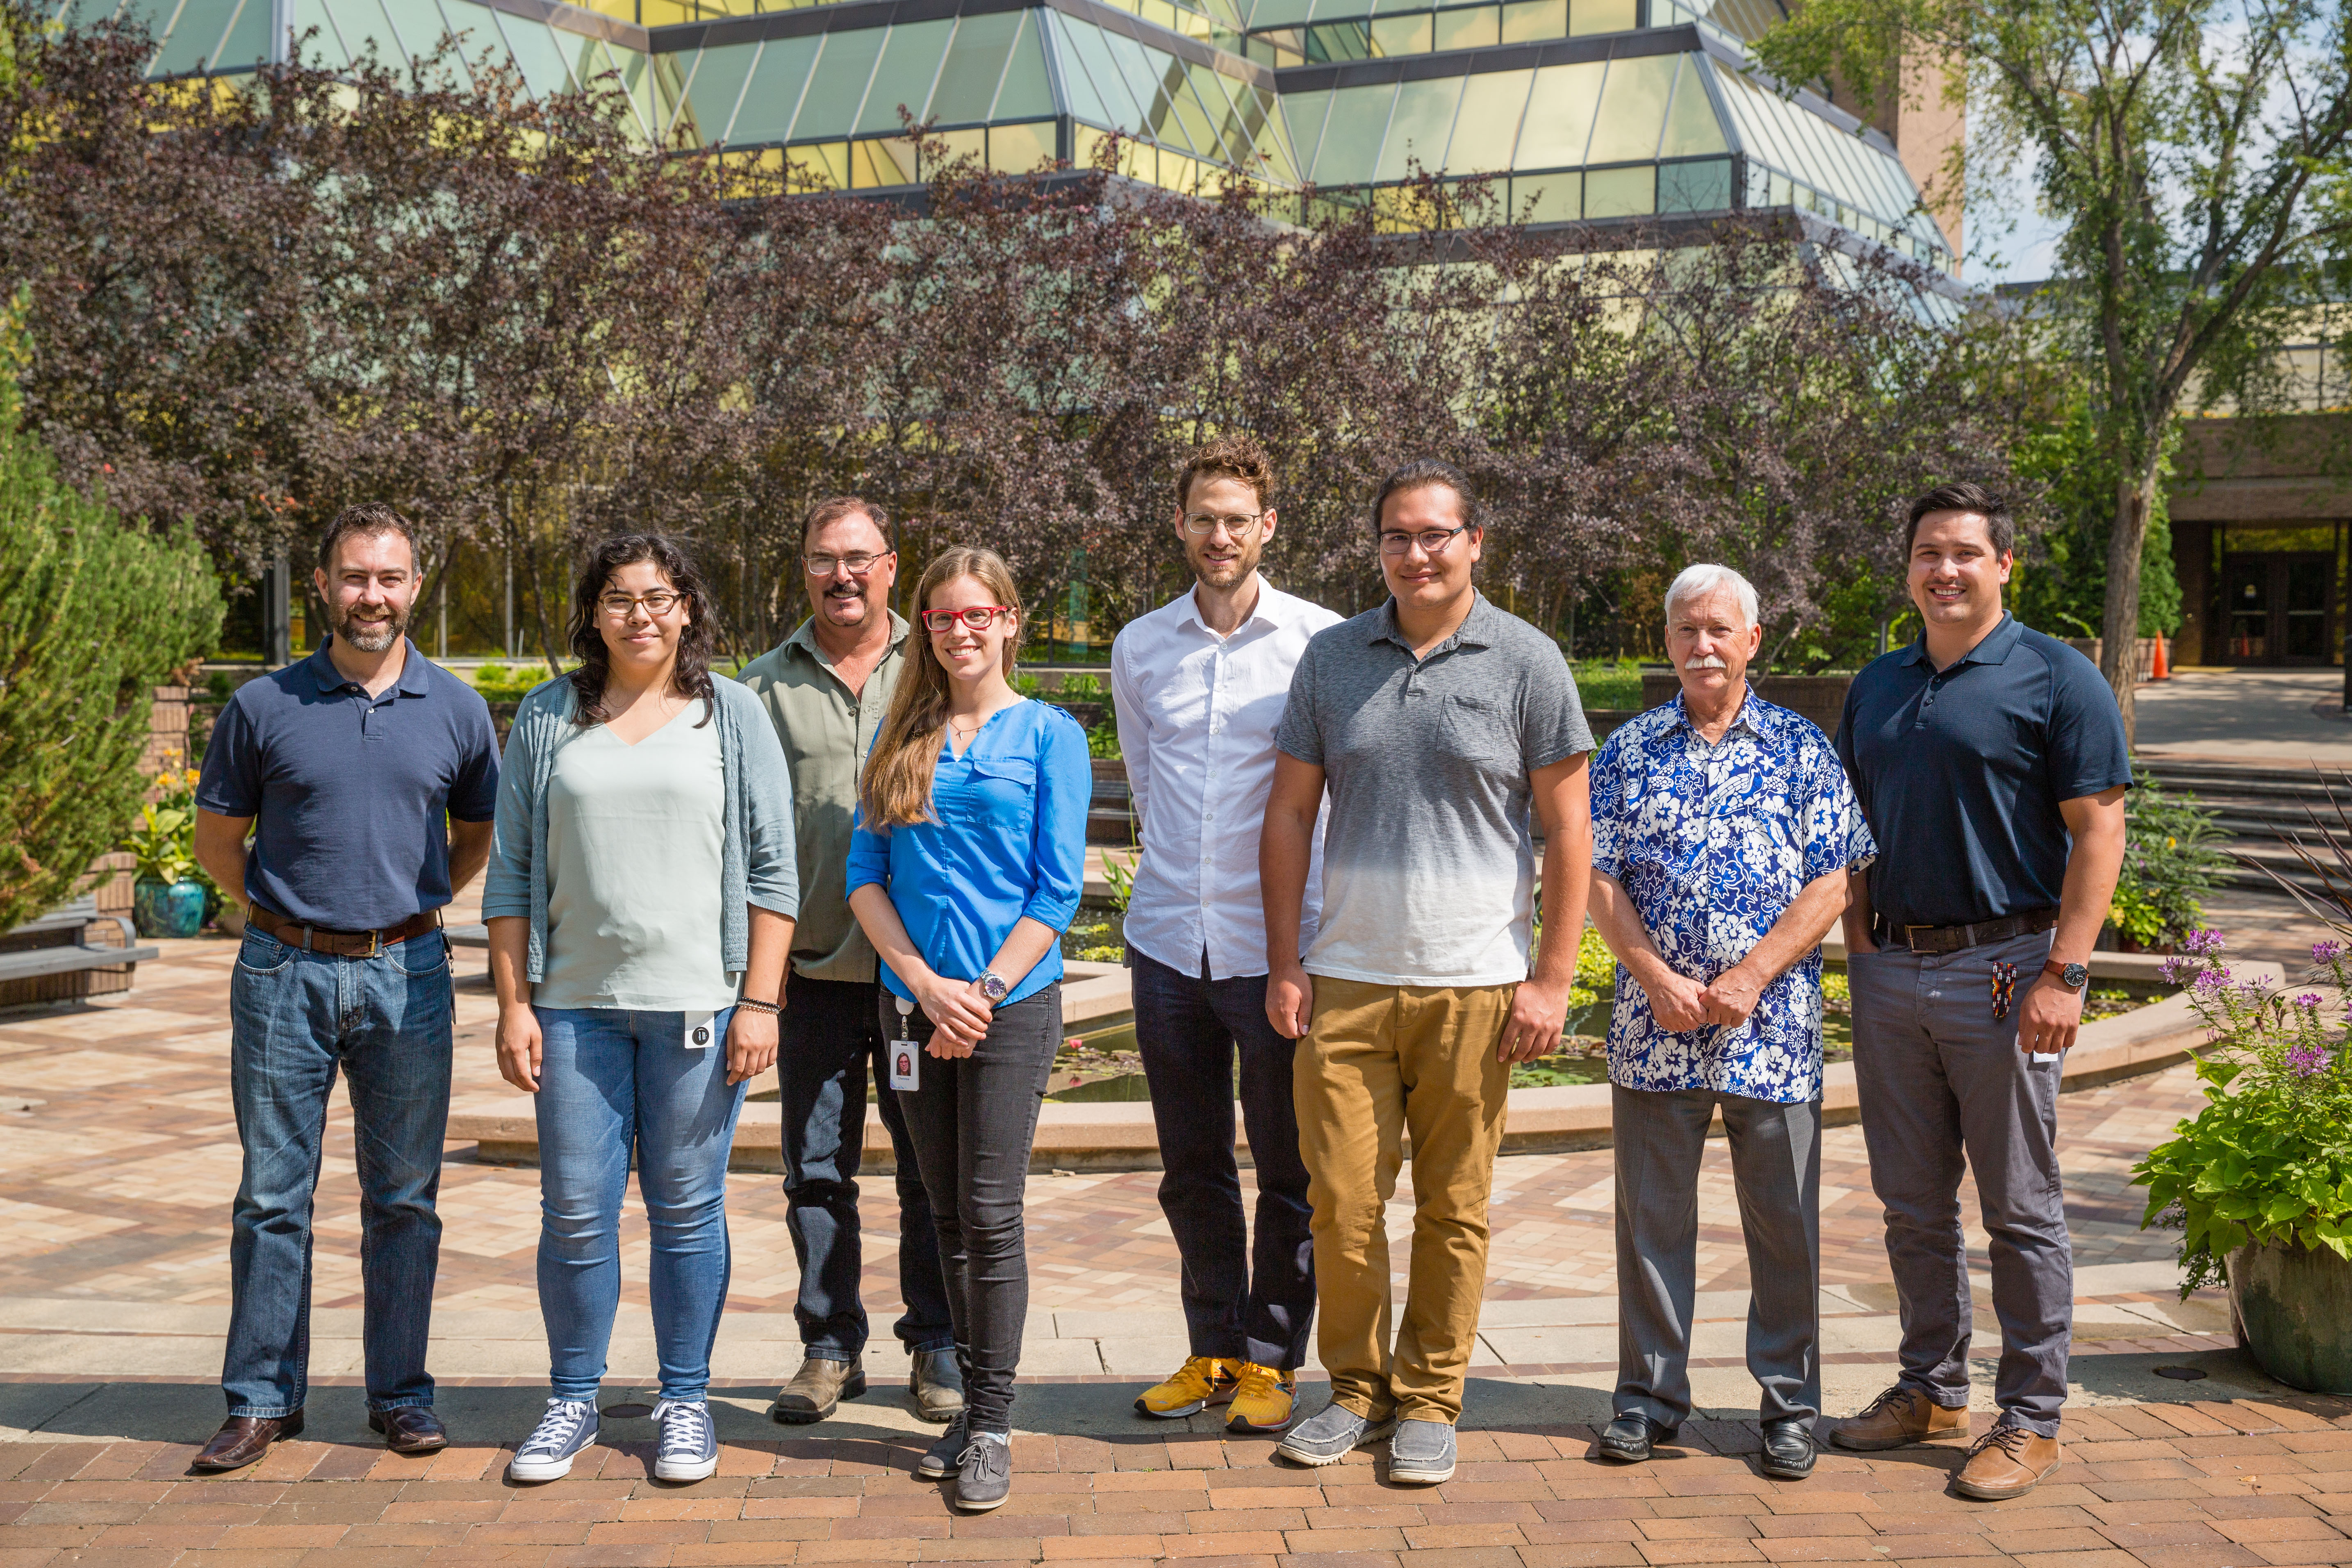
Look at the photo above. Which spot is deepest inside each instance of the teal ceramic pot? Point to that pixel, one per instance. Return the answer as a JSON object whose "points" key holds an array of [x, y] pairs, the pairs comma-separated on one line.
{"points": [[160, 910], [2293, 1307]]}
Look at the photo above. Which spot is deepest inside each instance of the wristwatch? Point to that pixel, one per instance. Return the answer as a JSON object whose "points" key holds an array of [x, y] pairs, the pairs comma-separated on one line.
{"points": [[2073, 977], [992, 986]]}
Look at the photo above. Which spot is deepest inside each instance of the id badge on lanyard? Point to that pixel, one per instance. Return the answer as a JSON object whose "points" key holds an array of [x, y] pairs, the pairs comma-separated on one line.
{"points": [[906, 1057]]}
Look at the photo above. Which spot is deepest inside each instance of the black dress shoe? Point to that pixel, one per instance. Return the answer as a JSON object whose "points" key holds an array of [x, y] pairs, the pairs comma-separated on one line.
{"points": [[409, 1428], [243, 1440], [1628, 1439], [1788, 1449]]}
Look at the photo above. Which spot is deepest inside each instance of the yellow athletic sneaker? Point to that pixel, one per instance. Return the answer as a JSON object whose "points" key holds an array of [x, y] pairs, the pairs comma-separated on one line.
{"points": [[1201, 1382], [1262, 1399]]}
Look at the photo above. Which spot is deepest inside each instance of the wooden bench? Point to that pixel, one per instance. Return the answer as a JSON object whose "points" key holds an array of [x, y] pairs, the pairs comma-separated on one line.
{"points": [[79, 953]]}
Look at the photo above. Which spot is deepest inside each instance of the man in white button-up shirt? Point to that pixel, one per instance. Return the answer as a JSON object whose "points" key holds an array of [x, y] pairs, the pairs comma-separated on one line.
{"points": [[1200, 685]]}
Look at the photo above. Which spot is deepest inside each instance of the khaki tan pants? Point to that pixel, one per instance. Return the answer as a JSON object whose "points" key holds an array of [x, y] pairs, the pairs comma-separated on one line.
{"points": [[1381, 1060]]}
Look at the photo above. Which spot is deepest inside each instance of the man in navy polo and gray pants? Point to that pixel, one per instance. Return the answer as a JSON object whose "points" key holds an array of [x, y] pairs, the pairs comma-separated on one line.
{"points": [[1991, 762], [369, 779]]}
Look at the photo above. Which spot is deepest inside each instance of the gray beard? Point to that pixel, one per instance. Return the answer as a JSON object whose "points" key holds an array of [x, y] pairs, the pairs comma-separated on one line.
{"points": [[373, 638]]}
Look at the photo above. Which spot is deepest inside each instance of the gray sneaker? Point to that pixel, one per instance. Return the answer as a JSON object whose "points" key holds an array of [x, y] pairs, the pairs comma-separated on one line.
{"points": [[1327, 1436], [1421, 1453], [939, 1461], [569, 1425], [984, 1474], [690, 1444]]}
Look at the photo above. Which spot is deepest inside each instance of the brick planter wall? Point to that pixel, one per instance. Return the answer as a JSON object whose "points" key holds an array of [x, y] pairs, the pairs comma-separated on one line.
{"points": [[1821, 698]]}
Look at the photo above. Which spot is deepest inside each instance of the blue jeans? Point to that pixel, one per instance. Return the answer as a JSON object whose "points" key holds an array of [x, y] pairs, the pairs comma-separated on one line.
{"points": [[296, 1018], [613, 1082], [832, 1034], [1240, 1303]]}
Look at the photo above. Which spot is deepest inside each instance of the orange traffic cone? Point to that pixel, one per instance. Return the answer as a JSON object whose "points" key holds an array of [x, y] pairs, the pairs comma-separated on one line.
{"points": [[2161, 669]]}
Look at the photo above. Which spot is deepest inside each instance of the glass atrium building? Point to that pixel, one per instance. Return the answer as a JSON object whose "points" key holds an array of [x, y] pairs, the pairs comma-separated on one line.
{"points": [[1581, 111]]}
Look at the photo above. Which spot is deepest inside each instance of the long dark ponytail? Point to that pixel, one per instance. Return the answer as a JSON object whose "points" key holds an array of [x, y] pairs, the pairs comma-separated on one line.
{"points": [[696, 642]]}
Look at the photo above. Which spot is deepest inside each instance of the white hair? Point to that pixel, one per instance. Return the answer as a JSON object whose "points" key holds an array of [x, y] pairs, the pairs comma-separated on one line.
{"points": [[1706, 578]]}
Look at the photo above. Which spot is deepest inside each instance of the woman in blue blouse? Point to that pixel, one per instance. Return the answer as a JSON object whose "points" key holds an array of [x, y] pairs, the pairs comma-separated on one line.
{"points": [[965, 867]]}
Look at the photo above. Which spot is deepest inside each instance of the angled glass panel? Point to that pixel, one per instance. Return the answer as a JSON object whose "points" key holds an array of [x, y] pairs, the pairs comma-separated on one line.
{"points": [[1586, 16], [246, 42], [1488, 126], [1198, 130], [1701, 188], [975, 64], [1477, 27], [773, 94], [1145, 72], [1755, 114], [1691, 126], [910, 64], [1557, 197], [327, 46], [1028, 87], [837, 87], [1407, 34], [1280, 12], [1214, 90], [536, 53], [1304, 113], [1017, 149], [1419, 129], [413, 28], [716, 87], [1353, 133], [1559, 115], [195, 36], [1531, 21], [1228, 14], [1632, 110], [1620, 193], [1276, 156], [1097, 93]]}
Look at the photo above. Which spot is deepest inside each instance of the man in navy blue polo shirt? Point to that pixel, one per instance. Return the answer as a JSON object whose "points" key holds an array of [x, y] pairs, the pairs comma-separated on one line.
{"points": [[1991, 762], [368, 778]]}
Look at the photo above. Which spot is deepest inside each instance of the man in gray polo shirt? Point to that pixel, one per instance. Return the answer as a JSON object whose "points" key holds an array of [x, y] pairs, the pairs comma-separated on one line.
{"points": [[1436, 721], [368, 778]]}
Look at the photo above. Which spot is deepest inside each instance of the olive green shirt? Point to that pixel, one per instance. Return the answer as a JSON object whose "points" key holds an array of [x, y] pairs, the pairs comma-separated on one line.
{"points": [[827, 733]]}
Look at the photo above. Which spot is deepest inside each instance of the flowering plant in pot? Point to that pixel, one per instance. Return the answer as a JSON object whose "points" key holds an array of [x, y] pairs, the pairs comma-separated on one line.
{"points": [[2260, 1181]]}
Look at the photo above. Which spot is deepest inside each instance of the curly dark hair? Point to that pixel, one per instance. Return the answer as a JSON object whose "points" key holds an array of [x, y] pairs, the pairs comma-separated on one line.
{"points": [[691, 678]]}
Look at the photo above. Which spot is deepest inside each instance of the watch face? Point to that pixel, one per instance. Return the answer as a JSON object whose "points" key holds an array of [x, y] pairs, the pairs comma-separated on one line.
{"points": [[993, 989], [2077, 976]]}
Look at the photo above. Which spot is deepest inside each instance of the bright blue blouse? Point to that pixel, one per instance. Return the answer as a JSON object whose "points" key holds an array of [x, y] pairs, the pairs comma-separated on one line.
{"points": [[1009, 839]]}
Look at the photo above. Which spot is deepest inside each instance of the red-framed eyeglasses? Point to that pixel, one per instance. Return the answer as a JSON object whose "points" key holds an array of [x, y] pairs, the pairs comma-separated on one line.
{"points": [[979, 617]]}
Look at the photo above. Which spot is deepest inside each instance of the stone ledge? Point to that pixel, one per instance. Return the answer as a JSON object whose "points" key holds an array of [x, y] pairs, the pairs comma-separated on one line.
{"points": [[1123, 1137]]}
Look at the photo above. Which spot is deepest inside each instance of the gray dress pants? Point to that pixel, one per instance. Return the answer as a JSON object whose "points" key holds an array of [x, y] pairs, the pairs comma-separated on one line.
{"points": [[1776, 1166], [1941, 1080]]}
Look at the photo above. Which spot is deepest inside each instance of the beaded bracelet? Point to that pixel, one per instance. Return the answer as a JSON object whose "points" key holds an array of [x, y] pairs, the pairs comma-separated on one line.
{"points": [[770, 1008]]}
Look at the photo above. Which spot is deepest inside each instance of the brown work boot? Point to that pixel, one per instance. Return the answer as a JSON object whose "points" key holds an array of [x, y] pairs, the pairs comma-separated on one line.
{"points": [[1899, 1417], [817, 1390], [2007, 1462]]}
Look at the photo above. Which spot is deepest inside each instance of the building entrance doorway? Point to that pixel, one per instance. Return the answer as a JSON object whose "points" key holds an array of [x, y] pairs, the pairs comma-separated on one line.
{"points": [[2279, 608]]}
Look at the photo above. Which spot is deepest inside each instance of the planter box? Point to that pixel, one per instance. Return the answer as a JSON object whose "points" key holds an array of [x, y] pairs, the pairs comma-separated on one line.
{"points": [[2091, 648], [2293, 1305], [1821, 698]]}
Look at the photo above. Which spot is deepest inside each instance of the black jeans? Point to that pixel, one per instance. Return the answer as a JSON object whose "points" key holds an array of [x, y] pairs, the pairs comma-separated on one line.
{"points": [[1239, 1304], [830, 1036], [972, 1122]]}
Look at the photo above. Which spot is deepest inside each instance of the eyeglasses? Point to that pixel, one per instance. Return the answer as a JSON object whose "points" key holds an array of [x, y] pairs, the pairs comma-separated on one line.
{"points": [[979, 617], [859, 562], [659, 603], [1433, 541], [1236, 524]]}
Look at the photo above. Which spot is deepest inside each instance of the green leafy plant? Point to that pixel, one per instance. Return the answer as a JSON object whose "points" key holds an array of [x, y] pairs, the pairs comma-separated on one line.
{"points": [[1102, 740], [2269, 1159], [1080, 689], [2171, 863], [1120, 875], [163, 845], [1028, 686]]}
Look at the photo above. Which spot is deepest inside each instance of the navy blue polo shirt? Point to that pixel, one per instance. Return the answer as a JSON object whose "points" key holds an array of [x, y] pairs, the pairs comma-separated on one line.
{"points": [[347, 791], [1961, 772]]}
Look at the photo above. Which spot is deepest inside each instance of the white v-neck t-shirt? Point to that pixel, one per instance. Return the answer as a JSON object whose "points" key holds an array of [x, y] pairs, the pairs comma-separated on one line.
{"points": [[635, 836]]}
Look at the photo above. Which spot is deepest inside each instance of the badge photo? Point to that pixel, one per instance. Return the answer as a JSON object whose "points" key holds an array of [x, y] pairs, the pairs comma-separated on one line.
{"points": [[906, 1066]]}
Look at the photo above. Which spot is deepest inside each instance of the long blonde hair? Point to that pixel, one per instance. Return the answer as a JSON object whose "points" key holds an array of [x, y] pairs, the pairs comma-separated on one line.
{"points": [[895, 790]]}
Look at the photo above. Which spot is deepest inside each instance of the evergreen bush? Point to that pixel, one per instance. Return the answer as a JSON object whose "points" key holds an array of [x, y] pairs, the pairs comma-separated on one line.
{"points": [[95, 611]]}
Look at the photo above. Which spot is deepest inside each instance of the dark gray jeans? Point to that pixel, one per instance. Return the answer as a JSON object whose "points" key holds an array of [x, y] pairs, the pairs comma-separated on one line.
{"points": [[1941, 1082], [1776, 1166], [972, 1122]]}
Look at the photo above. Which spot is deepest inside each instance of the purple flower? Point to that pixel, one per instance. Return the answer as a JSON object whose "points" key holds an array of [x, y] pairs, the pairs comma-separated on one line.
{"points": [[2172, 969], [2307, 1062], [2212, 979], [2202, 941], [2325, 951], [2309, 999]]}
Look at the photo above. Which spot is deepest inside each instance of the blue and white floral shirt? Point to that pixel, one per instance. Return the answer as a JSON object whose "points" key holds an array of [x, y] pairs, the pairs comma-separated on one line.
{"points": [[1713, 843]]}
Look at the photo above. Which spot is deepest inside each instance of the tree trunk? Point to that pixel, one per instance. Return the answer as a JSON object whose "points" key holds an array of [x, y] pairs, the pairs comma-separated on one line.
{"points": [[2119, 622]]}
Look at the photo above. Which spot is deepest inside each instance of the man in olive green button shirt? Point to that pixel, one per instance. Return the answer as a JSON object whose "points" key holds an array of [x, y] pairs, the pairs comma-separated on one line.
{"points": [[828, 687]]}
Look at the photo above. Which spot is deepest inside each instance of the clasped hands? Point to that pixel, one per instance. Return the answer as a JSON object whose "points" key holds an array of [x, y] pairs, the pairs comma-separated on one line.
{"points": [[960, 1015], [1681, 1003]]}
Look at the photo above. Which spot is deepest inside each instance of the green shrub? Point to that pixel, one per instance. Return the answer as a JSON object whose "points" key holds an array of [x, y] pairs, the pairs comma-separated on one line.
{"points": [[2169, 864], [94, 613]]}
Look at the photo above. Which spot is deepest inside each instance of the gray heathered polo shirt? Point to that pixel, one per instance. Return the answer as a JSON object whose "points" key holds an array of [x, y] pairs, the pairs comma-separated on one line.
{"points": [[1429, 869]]}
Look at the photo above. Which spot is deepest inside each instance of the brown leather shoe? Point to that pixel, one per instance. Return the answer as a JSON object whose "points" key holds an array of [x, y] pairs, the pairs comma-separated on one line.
{"points": [[2007, 1462], [817, 1390], [1900, 1417], [242, 1439], [410, 1428]]}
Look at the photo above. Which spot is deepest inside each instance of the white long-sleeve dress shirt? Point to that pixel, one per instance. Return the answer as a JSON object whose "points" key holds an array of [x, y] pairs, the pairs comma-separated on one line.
{"points": [[1197, 714]]}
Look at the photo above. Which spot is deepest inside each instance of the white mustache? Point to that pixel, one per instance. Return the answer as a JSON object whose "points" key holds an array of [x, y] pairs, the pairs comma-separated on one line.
{"points": [[1706, 661]]}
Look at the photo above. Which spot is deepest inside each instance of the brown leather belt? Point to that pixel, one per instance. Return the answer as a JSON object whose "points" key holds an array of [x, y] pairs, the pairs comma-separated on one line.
{"points": [[342, 943], [1952, 939]]}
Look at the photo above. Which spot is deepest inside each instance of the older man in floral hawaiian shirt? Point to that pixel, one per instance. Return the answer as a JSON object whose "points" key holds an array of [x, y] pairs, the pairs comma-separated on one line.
{"points": [[1723, 828]]}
